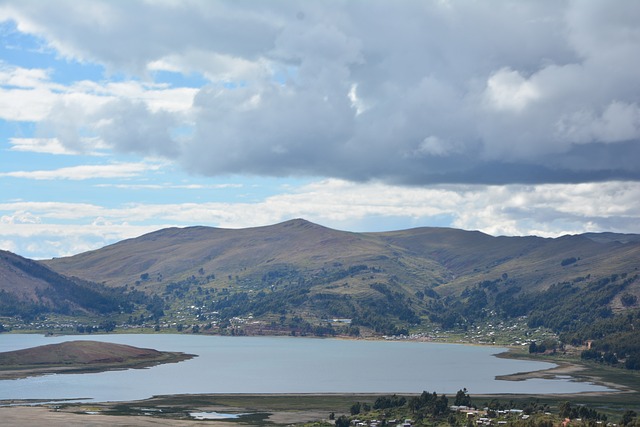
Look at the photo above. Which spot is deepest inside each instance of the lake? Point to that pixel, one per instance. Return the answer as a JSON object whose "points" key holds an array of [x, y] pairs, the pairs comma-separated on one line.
{"points": [[287, 365]]}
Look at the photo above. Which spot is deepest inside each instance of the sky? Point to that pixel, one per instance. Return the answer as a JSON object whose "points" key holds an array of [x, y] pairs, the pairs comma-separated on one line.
{"points": [[118, 118]]}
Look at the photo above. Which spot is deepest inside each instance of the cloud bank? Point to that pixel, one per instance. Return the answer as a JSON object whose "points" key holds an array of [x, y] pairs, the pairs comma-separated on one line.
{"points": [[46, 229], [408, 93]]}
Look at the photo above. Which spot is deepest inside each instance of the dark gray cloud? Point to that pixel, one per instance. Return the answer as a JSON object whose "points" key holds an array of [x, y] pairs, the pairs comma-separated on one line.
{"points": [[408, 92], [132, 127]]}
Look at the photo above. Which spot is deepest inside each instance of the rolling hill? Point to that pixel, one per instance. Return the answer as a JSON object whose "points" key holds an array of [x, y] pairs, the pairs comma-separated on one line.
{"points": [[296, 276], [384, 281], [413, 259], [29, 288], [302, 278]]}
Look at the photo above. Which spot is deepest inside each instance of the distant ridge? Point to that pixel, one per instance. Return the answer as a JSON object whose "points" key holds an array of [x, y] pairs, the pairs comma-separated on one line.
{"points": [[296, 277], [417, 257], [612, 237], [29, 288]]}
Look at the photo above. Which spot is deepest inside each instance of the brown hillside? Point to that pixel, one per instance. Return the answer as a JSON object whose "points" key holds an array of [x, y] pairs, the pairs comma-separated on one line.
{"points": [[76, 353], [16, 281], [80, 357], [471, 257], [29, 288], [176, 253], [412, 259]]}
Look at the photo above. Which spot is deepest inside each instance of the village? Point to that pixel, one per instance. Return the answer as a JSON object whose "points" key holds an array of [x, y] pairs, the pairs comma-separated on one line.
{"points": [[467, 415]]}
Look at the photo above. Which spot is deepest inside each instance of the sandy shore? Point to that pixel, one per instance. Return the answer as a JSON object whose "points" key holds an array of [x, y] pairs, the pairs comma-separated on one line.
{"points": [[563, 368], [296, 409], [260, 409], [12, 374], [153, 412], [575, 370], [45, 416]]}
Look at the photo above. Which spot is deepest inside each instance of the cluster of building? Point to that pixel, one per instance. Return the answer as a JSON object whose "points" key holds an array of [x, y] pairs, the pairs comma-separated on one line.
{"points": [[481, 418], [378, 423]]}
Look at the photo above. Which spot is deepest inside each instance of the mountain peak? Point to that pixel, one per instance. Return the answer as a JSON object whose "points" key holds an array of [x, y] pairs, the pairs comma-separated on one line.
{"points": [[299, 222]]}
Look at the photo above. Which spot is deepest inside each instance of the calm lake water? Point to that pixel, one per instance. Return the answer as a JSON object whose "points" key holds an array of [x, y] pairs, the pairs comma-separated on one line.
{"points": [[286, 365]]}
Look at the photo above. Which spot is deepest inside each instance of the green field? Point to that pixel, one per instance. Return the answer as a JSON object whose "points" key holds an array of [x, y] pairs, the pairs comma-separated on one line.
{"points": [[307, 409]]}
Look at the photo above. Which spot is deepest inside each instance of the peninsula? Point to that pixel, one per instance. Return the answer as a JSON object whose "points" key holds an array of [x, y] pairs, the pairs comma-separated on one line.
{"points": [[81, 357]]}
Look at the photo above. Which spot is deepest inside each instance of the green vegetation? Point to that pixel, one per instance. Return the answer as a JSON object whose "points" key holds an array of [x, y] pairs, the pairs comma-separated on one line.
{"points": [[65, 296], [426, 409], [577, 312], [616, 340], [569, 299], [429, 409], [299, 278], [296, 277]]}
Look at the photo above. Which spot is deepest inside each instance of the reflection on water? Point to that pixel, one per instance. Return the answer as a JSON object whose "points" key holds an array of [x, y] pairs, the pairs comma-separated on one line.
{"points": [[213, 416]]}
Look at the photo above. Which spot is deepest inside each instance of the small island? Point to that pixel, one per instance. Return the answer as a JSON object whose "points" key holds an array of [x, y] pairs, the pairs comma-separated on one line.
{"points": [[81, 357]]}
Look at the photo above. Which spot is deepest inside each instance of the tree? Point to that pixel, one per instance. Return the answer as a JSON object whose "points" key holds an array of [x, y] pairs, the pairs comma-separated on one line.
{"points": [[452, 420], [565, 409], [108, 325], [441, 405], [549, 344], [610, 358], [632, 362], [414, 403], [342, 421], [628, 300], [462, 398], [355, 408], [628, 417], [384, 402]]}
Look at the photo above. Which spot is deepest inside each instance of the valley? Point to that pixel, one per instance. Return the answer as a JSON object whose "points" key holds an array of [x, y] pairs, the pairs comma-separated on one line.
{"points": [[299, 278], [571, 300]]}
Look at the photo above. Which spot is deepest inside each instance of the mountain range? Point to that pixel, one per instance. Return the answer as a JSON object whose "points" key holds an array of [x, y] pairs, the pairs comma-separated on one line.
{"points": [[448, 259], [385, 281]]}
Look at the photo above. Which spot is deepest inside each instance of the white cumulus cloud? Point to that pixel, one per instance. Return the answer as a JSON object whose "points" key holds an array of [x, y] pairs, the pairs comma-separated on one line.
{"points": [[514, 92]]}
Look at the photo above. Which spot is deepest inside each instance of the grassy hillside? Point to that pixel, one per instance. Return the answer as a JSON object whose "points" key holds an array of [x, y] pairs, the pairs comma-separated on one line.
{"points": [[295, 276], [29, 289], [452, 259], [75, 353], [469, 258], [176, 254]]}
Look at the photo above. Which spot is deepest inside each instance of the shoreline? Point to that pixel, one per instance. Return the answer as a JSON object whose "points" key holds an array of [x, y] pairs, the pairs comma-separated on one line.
{"points": [[250, 409], [20, 373], [81, 356], [574, 369]]}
